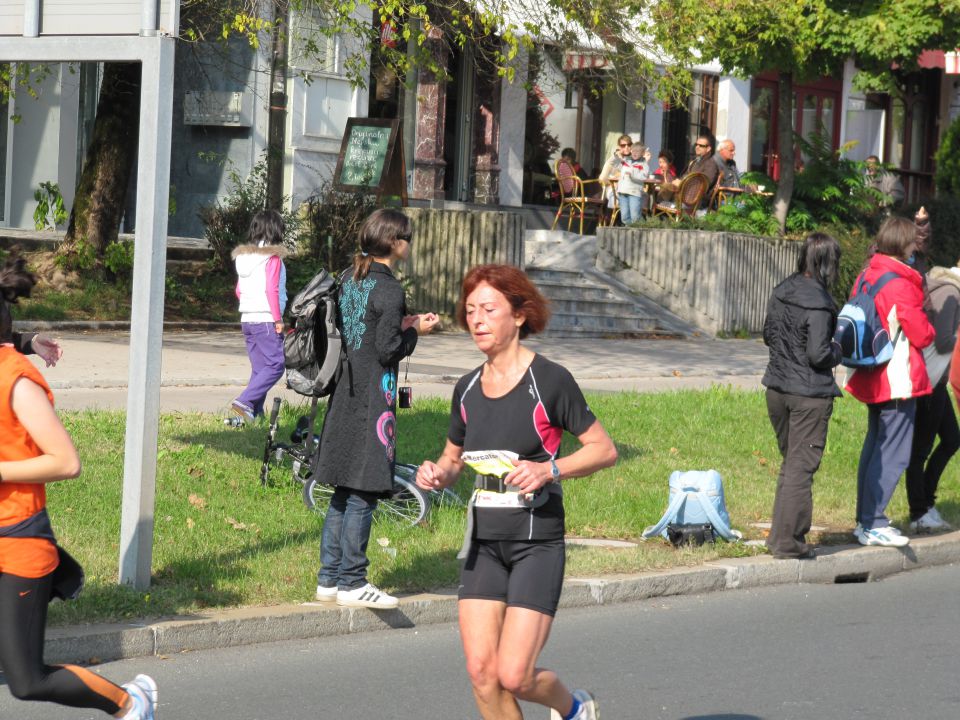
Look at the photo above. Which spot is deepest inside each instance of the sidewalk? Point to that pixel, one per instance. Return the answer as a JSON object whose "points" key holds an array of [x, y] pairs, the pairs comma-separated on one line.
{"points": [[203, 371]]}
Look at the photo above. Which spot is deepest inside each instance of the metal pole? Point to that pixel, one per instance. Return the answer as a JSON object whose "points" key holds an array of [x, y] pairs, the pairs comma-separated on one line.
{"points": [[31, 18], [146, 314]]}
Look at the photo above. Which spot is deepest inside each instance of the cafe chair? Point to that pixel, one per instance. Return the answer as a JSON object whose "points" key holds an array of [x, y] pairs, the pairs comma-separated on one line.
{"points": [[574, 197], [687, 198]]}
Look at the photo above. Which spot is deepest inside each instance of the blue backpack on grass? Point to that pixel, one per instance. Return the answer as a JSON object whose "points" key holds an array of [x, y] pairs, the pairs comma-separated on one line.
{"points": [[696, 498], [860, 334]]}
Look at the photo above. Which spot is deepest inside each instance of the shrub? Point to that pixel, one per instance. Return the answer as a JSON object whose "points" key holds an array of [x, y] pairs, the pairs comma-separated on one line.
{"points": [[831, 190], [226, 223], [947, 158], [331, 224]]}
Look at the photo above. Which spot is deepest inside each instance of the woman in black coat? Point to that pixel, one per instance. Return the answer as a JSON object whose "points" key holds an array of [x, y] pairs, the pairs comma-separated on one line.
{"points": [[801, 318], [358, 441]]}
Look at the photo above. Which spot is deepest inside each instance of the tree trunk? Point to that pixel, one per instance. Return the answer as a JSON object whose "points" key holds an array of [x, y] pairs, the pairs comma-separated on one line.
{"points": [[102, 189], [278, 108], [781, 201]]}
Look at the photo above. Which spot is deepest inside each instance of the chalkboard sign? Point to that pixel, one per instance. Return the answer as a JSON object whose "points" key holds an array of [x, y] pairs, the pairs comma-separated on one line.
{"points": [[371, 159]]}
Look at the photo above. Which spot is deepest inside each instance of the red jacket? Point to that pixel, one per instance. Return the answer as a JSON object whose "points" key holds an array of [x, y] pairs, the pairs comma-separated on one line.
{"points": [[900, 306]]}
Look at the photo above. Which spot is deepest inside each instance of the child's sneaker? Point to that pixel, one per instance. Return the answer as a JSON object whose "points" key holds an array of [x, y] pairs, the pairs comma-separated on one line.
{"points": [[886, 536]]}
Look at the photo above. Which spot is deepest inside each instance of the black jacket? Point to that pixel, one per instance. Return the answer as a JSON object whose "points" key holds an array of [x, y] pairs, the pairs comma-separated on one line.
{"points": [[358, 440], [801, 318]]}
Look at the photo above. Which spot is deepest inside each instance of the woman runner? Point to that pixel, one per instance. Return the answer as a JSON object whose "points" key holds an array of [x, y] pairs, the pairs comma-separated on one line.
{"points": [[506, 421]]}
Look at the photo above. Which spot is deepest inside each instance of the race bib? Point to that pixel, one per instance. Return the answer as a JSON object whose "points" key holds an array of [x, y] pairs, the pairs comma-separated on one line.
{"points": [[492, 499]]}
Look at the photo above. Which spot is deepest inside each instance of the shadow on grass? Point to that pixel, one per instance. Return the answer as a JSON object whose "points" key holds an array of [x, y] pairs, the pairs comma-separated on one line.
{"points": [[629, 452]]}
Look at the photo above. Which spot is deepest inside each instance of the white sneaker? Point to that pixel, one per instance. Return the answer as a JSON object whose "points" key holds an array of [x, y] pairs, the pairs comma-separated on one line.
{"points": [[143, 693], [588, 707], [928, 523], [326, 594], [886, 536], [368, 596], [935, 514]]}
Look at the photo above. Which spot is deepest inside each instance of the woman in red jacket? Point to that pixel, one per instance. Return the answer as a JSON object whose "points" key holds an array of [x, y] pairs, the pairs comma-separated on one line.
{"points": [[890, 391]]}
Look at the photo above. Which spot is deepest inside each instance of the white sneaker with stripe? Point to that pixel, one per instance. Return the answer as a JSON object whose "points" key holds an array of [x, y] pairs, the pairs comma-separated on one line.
{"points": [[368, 596]]}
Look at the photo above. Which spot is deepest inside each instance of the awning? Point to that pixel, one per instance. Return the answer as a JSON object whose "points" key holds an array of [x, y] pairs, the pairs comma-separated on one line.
{"points": [[931, 59]]}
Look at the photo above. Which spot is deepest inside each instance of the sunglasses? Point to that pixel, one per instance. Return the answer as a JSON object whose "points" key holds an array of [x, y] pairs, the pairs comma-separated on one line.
{"points": [[626, 144], [703, 145], [408, 237]]}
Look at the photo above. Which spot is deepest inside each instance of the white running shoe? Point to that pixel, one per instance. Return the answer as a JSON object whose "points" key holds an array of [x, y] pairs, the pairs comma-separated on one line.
{"points": [[326, 594], [886, 536], [935, 515], [588, 707], [143, 693], [929, 523], [368, 596]]}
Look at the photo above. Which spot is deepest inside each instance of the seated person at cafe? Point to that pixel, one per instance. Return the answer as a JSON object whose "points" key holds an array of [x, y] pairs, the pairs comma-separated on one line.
{"points": [[729, 175], [665, 173], [702, 163], [570, 156]]}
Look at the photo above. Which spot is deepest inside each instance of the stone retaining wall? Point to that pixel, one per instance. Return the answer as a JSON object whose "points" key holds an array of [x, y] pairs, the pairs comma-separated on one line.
{"points": [[718, 281]]}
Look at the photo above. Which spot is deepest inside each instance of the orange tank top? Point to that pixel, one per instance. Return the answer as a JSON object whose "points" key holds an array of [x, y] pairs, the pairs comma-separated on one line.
{"points": [[26, 557]]}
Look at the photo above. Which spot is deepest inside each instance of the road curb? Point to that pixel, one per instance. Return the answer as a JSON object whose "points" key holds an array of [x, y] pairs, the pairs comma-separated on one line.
{"points": [[246, 626]]}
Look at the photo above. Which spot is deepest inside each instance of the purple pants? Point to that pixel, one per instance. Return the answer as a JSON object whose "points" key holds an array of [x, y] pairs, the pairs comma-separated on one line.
{"points": [[265, 350]]}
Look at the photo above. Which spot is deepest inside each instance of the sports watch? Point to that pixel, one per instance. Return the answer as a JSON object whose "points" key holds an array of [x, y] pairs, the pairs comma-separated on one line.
{"points": [[554, 470]]}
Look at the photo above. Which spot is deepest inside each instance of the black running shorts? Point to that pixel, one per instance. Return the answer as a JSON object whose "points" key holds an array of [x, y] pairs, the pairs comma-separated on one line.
{"points": [[521, 573]]}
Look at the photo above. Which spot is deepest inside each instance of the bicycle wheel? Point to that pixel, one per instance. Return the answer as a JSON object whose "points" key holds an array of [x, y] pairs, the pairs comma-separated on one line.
{"points": [[316, 495], [407, 503]]}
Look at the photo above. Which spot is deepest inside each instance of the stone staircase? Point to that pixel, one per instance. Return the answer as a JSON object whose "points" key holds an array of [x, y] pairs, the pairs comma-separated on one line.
{"points": [[582, 307], [586, 302]]}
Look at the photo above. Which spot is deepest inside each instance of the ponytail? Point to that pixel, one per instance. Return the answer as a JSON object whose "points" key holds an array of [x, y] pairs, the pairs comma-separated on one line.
{"points": [[377, 235]]}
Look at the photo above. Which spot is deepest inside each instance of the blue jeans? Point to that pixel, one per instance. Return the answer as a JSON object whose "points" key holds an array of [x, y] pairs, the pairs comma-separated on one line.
{"points": [[343, 545], [265, 351], [631, 208], [885, 455]]}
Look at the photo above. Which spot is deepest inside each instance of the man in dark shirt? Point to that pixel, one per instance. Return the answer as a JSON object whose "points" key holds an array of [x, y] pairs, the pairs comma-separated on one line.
{"points": [[702, 163]]}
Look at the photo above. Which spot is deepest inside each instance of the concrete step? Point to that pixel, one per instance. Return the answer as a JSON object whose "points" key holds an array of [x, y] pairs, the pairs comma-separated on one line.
{"points": [[557, 290], [584, 306], [603, 323]]}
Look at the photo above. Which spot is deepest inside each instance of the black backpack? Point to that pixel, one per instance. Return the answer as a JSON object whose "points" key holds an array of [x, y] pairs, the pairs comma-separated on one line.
{"points": [[313, 351]]}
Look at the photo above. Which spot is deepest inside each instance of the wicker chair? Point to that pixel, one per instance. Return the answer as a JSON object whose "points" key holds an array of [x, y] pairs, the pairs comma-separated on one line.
{"points": [[687, 199], [574, 198]]}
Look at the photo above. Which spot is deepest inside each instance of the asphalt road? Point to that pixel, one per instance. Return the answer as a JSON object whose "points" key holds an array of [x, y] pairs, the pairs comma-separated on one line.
{"points": [[879, 651]]}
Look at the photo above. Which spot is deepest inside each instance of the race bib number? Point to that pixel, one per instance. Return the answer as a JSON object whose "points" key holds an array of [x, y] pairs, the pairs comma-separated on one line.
{"points": [[492, 499]]}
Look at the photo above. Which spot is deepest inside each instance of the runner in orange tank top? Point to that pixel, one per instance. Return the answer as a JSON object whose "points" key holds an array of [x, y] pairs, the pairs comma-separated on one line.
{"points": [[35, 449]]}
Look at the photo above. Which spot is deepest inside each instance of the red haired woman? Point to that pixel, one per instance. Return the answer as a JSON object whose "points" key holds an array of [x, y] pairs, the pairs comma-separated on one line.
{"points": [[506, 421]]}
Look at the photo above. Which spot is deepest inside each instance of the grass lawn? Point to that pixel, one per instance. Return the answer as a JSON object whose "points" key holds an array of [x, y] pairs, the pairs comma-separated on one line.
{"points": [[223, 540]]}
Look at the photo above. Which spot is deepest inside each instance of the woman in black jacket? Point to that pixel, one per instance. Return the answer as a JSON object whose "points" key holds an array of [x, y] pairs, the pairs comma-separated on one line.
{"points": [[359, 430], [798, 330]]}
